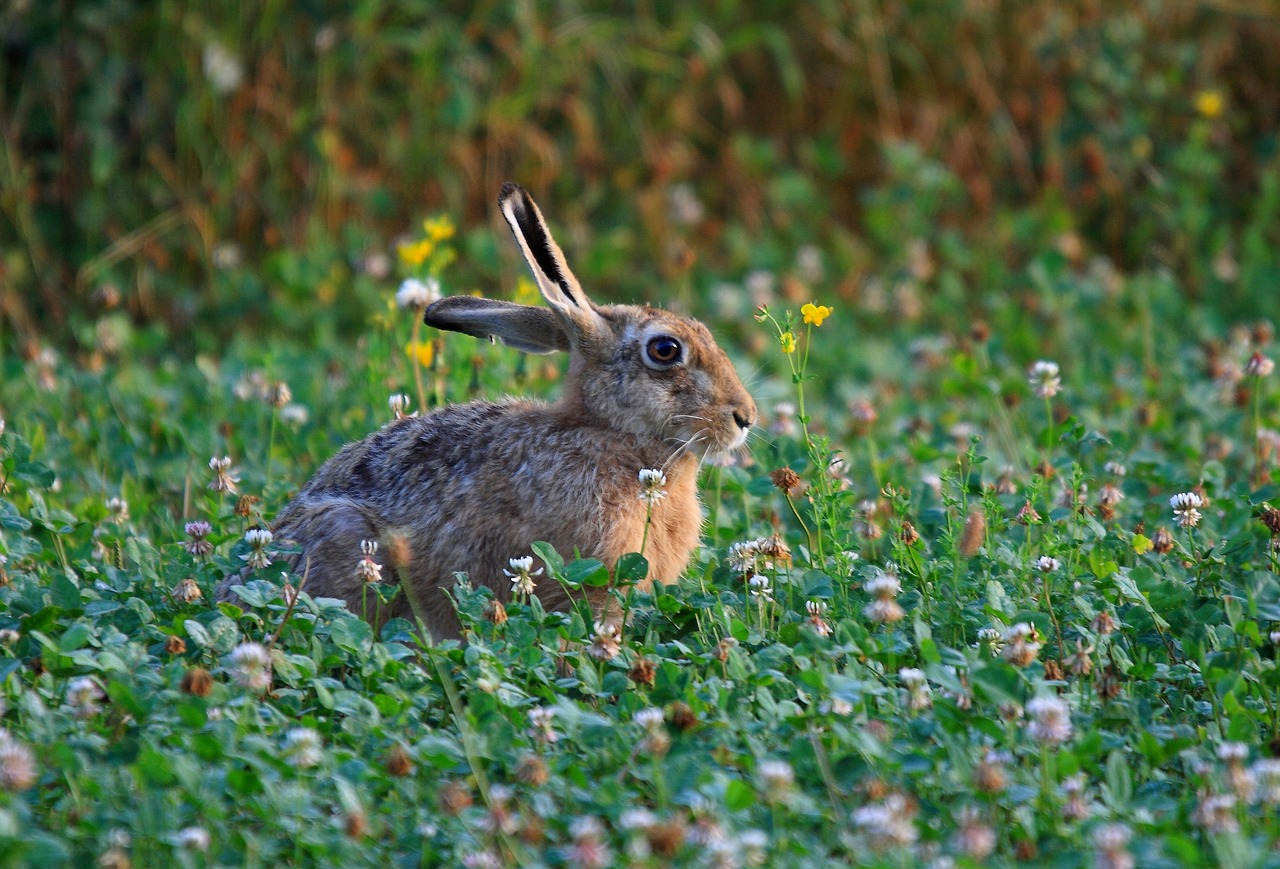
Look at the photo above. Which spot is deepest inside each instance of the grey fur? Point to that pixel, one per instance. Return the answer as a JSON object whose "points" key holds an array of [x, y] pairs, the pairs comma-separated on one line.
{"points": [[468, 487]]}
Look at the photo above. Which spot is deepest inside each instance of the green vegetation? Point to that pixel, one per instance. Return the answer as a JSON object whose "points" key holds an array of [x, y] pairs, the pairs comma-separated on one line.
{"points": [[999, 583]]}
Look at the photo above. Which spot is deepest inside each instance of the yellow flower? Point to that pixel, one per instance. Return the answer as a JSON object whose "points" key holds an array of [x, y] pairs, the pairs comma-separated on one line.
{"points": [[526, 291], [788, 342], [815, 314], [421, 352], [438, 228], [1209, 103], [414, 254]]}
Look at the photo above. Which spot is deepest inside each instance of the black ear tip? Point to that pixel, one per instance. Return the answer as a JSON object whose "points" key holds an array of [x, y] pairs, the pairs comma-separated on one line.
{"points": [[510, 189]]}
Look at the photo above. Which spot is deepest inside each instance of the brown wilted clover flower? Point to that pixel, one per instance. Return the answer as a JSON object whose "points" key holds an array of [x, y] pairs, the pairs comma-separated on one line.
{"points": [[908, 534], [1021, 644], [1103, 623], [974, 534], [277, 394], [975, 839], [1162, 541], [1027, 515], [398, 762], [454, 797], [175, 645], [17, 764], [495, 613], [989, 776], [187, 591], [1108, 497], [532, 770], [1271, 519], [1080, 662], [643, 672], [786, 480], [197, 682]]}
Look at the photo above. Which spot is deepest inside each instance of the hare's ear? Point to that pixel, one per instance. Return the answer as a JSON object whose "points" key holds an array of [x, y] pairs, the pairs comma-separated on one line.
{"points": [[524, 327], [556, 283]]}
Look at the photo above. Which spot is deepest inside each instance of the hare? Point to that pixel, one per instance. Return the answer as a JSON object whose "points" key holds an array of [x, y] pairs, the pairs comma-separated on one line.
{"points": [[468, 487]]}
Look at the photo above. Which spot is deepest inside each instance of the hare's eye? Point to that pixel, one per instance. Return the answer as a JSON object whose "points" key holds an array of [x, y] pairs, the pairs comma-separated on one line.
{"points": [[663, 350]]}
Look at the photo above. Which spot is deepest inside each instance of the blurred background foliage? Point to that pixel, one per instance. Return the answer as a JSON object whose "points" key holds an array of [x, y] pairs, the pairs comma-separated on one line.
{"points": [[189, 174]]}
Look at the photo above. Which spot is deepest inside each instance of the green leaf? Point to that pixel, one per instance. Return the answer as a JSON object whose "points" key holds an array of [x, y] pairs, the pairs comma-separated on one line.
{"points": [[64, 592], [545, 551], [75, 637], [197, 633], [632, 567], [587, 571], [351, 634], [738, 795], [36, 473]]}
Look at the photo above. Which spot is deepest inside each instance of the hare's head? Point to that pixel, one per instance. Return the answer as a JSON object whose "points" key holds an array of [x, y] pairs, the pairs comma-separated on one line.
{"points": [[633, 368]]}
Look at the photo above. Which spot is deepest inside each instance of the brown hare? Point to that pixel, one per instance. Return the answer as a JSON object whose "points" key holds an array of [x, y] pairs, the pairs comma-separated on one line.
{"points": [[469, 487]]}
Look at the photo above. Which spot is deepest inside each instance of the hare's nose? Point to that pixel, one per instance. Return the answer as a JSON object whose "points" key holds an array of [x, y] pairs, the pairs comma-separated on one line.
{"points": [[745, 420]]}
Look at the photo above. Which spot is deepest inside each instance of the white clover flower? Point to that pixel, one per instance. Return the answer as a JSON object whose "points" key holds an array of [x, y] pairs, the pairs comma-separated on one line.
{"points": [[258, 540], [886, 824], [398, 403], [607, 642], [84, 697], [1233, 752], [637, 819], [1266, 772], [1043, 377], [1186, 508], [193, 839], [760, 587], [250, 666], [417, 294], [294, 415], [303, 747], [223, 480], [754, 847], [542, 718], [649, 719], [197, 545], [1050, 720], [522, 575], [684, 208], [1217, 814], [777, 777], [1116, 469], [1112, 843], [222, 68], [118, 508], [652, 483], [1047, 564], [368, 570], [919, 695]]}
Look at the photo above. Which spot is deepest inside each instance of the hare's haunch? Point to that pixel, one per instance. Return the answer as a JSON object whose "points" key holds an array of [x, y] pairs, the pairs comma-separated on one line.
{"points": [[469, 487]]}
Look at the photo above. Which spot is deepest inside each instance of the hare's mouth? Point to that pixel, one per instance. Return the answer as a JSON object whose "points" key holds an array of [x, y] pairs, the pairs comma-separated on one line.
{"points": [[707, 441]]}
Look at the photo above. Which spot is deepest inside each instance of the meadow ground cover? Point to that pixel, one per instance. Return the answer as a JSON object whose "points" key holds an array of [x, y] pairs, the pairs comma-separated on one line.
{"points": [[985, 608], [996, 583]]}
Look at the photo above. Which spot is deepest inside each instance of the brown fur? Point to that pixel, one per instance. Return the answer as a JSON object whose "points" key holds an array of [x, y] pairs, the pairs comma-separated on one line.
{"points": [[468, 487]]}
